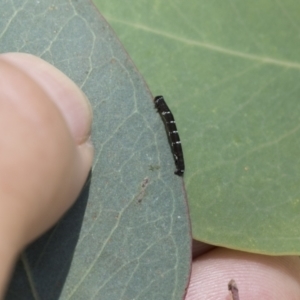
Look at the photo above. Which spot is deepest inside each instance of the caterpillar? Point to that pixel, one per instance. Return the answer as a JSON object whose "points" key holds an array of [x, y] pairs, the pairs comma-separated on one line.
{"points": [[172, 133]]}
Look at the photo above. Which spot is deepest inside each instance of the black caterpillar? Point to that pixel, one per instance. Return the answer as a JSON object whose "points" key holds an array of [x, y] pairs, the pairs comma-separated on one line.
{"points": [[172, 132]]}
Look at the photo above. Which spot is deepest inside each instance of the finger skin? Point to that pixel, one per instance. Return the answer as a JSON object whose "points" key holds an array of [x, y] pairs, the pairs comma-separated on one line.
{"points": [[257, 276], [45, 159]]}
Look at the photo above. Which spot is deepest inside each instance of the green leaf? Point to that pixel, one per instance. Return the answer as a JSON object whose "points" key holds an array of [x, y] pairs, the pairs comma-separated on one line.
{"points": [[128, 235], [230, 72]]}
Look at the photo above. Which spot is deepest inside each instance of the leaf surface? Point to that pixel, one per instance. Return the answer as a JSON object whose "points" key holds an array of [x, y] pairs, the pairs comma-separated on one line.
{"points": [[127, 236], [230, 72]]}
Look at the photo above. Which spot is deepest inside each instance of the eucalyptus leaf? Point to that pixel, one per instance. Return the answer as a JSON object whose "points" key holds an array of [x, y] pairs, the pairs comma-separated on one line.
{"points": [[128, 235], [230, 72]]}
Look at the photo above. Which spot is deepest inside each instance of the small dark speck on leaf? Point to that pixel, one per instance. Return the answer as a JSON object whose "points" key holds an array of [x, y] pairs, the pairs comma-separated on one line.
{"points": [[153, 168], [141, 194]]}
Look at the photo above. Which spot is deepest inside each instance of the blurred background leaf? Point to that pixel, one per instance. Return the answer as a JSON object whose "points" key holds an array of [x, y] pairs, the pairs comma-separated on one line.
{"points": [[230, 72], [128, 235]]}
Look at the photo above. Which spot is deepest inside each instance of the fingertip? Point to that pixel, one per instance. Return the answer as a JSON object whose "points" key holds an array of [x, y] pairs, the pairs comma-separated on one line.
{"points": [[69, 99], [257, 276]]}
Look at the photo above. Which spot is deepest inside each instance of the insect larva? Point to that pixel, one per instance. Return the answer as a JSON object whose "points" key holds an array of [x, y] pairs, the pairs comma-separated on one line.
{"points": [[172, 133]]}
